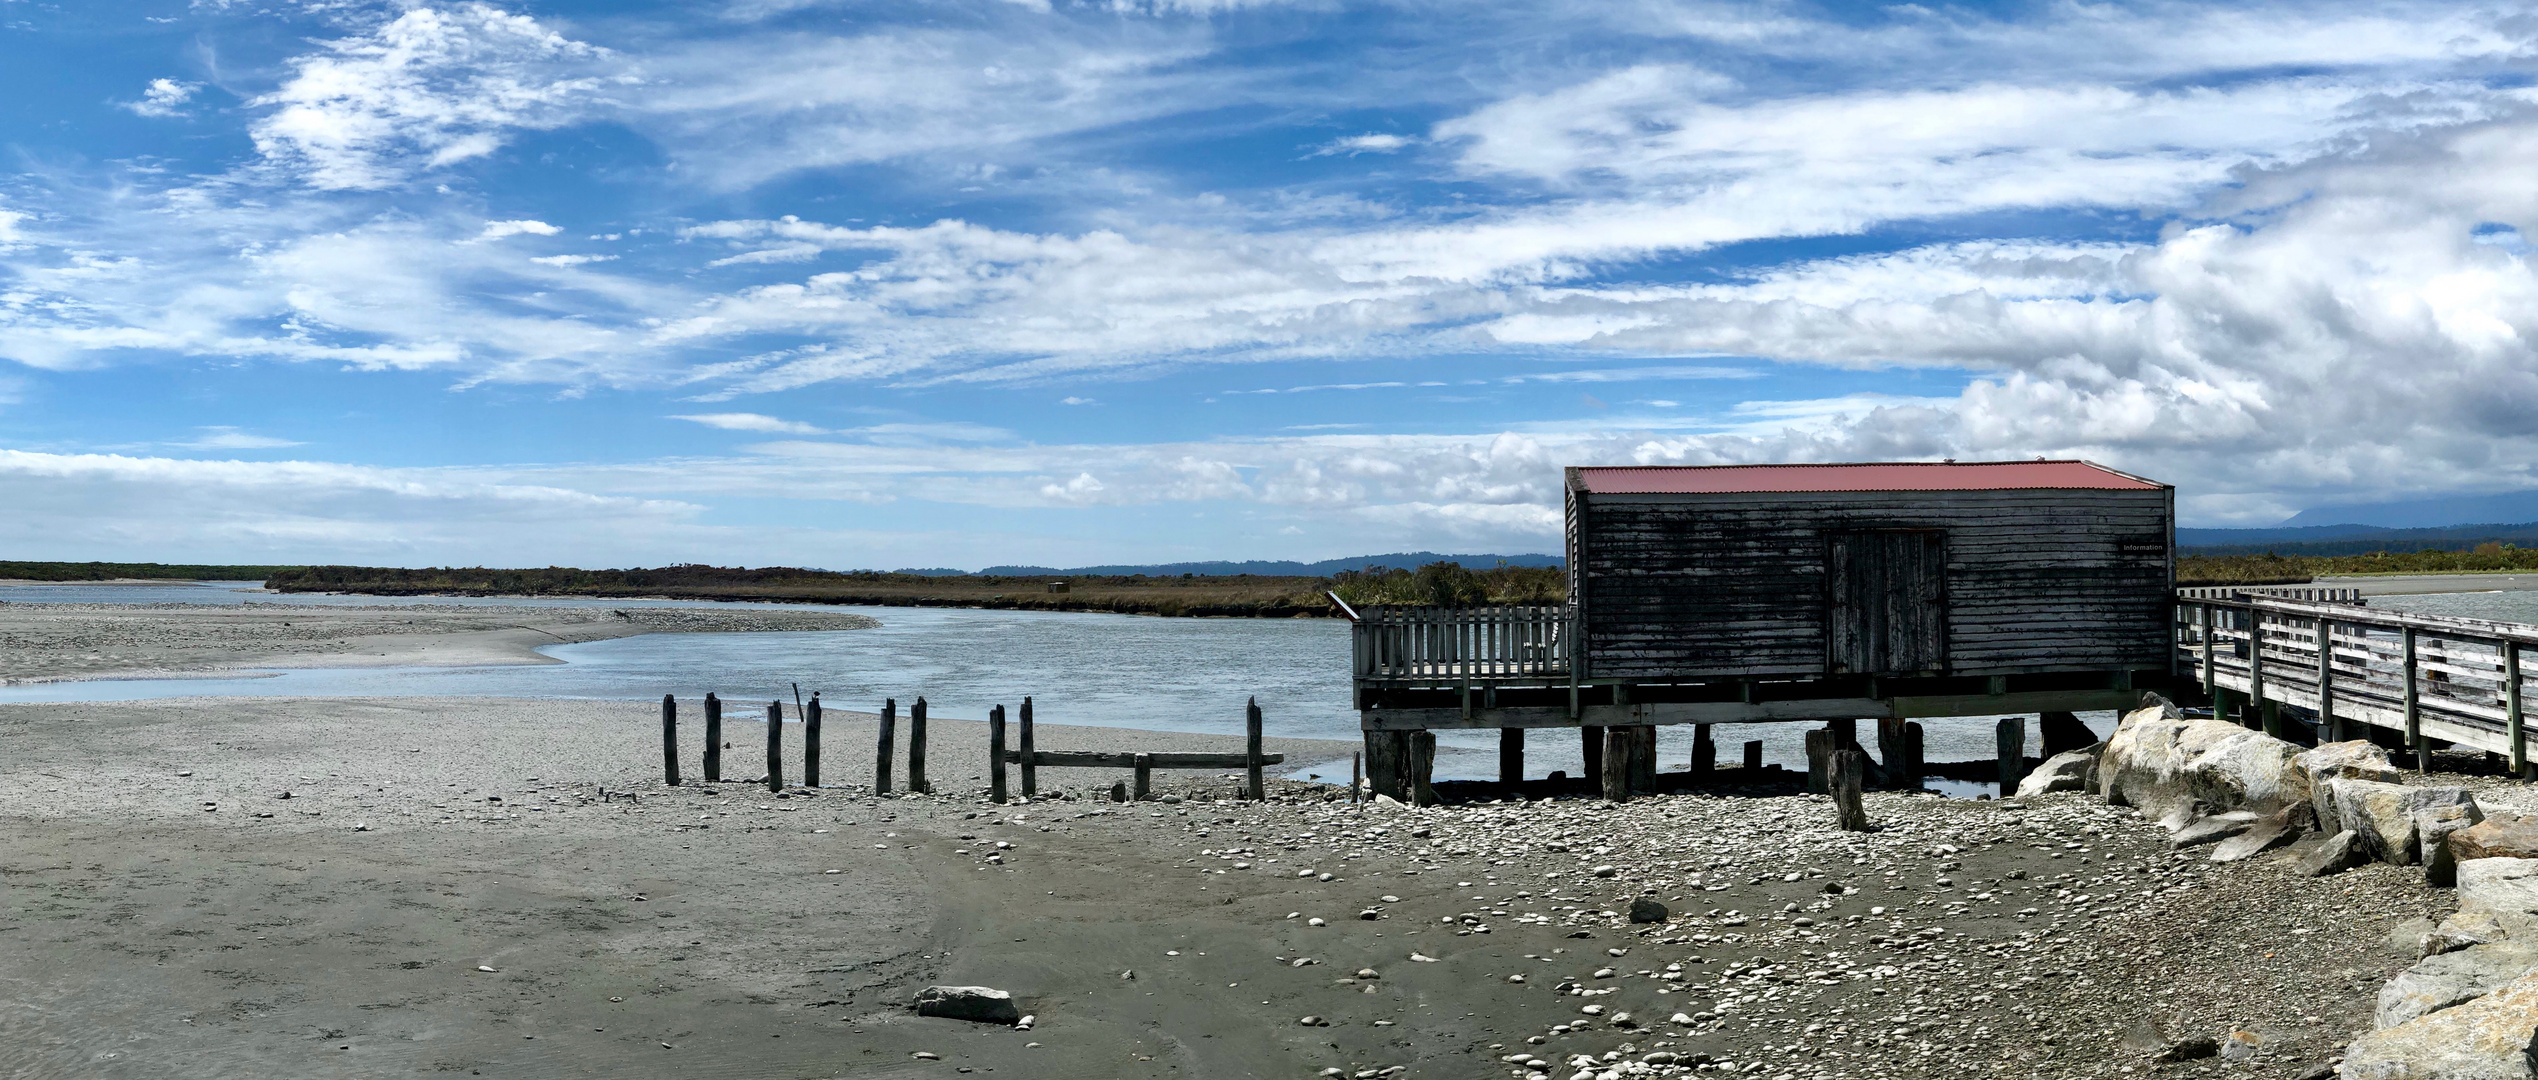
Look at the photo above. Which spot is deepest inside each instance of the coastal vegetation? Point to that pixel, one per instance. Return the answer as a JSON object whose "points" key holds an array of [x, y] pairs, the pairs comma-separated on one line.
{"points": [[111, 571], [2277, 569]]}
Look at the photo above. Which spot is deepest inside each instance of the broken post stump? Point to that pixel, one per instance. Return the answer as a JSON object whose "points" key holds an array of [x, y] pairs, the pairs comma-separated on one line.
{"points": [[1615, 772], [1819, 760], [811, 741], [916, 748], [1591, 743], [670, 739], [881, 753], [1385, 751], [996, 754], [1422, 768], [1753, 753], [1145, 776], [1914, 766], [1704, 751], [1257, 786], [1643, 758], [2013, 753], [713, 739], [1356, 774], [775, 746], [1511, 756], [1030, 768], [1849, 776]]}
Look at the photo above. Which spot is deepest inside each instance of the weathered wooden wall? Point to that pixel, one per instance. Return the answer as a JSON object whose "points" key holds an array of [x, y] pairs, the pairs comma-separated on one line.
{"points": [[1693, 586]]}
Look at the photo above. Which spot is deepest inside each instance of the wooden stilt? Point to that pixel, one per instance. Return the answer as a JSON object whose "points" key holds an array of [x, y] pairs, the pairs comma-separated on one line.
{"points": [[670, 740], [881, 753], [1030, 767], [1356, 775], [1511, 756], [2326, 682], [2414, 709], [713, 739], [811, 741], [775, 746], [1257, 787], [1591, 743], [1819, 759], [996, 754], [1848, 776], [2012, 734], [1704, 751], [1643, 758], [1914, 766], [916, 748], [1384, 751], [1615, 766], [1423, 768], [2269, 717], [1753, 753], [1145, 777], [2511, 710]]}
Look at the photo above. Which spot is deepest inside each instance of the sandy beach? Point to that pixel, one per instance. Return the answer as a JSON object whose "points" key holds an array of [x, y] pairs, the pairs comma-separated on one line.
{"points": [[278, 887]]}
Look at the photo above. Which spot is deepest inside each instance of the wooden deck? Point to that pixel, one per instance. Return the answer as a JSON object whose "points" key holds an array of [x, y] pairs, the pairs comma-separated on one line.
{"points": [[2461, 681]]}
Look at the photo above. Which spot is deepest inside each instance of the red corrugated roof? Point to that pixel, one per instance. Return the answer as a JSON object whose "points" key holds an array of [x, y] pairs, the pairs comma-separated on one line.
{"points": [[1887, 476]]}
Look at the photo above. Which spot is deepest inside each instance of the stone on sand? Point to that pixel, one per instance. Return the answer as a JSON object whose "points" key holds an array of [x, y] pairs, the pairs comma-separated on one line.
{"points": [[2067, 771], [2164, 764], [983, 1004], [2271, 831], [2382, 816], [2334, 855]]}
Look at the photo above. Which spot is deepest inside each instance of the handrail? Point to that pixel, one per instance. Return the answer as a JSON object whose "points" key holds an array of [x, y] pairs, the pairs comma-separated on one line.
{"points": [[1461, 643], [2342, 595]]}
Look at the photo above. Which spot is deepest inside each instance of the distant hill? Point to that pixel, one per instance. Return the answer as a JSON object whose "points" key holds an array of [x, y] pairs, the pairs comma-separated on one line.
{"points": [[2445, 512], [2350, 539], [1408, 560]]}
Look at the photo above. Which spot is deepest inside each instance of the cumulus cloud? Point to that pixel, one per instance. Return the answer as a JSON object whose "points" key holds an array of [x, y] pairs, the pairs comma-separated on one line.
{"points": [[742, 421], [496, 230], [163, 98], [1370, 143], [224, 437]]}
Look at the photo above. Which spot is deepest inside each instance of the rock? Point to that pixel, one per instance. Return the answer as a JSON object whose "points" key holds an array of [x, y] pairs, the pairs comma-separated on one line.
{"points": [[2488, 1038], [2357, 759], [1624, 1020], [1312, 1021], [2499, 836], [983, 1004], [2190, 1048], [2460, 930], [2336, 854], [2067, 771], [2214, 829], [2271, 831], [2382, 816], [1644, 910], [2453, 978], [2433, 826], [2498, 884], [1606, 871], [2240, 1045], [2162, 763]]}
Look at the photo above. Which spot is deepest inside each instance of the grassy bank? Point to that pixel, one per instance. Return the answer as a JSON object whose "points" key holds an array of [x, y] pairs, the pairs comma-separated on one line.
{"points": [[1244, 595], [2276, 569], [111, 571]]}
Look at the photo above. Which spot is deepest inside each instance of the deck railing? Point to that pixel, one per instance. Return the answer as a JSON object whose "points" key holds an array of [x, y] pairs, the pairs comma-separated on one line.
{"points": [[1460, 643], [2454, 679], [2311, 593]]}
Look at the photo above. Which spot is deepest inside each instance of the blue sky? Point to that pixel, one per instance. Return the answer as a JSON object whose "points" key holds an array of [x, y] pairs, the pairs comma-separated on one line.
{"points": [[979, 281]]}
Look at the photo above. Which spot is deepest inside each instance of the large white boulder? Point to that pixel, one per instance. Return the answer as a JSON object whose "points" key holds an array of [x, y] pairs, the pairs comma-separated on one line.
{"points": [[2498, 884], [2488, 1038], [2066, 771], [2173, 767], [2382, 816]]}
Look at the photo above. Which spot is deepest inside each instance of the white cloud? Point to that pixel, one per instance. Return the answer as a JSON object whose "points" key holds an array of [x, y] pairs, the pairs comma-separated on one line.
{"points": [[163, 98], [496, 230], [1370, 143], [1073, 400], [430, 88], [224, 437], [741, 421], [571, 260]]}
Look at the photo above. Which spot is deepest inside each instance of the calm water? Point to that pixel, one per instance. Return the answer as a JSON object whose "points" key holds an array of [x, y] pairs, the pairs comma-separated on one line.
{"points": [[1101, 670]]}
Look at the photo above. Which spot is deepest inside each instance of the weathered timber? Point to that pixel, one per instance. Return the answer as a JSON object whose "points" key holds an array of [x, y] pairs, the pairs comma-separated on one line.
{"points": [[1848, 775], [1030, 765], [1385, 751], [775, 746], [1738, 712], [996, 754], [811, 741], [1144, 764], [1356, 774], [1614, 769], [713, 739], [1590, 739], [1753, 753], [881, 753], [1511, 756], [1820, 746], [1423, 768], [1254, 785], [916, 748], [670, 740], [1095, 759], [1643, 758], [1704, 750], [2012, 736]]}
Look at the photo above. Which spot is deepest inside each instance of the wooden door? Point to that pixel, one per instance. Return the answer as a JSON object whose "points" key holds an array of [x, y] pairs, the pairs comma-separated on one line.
{"points": [[1887, 591]]}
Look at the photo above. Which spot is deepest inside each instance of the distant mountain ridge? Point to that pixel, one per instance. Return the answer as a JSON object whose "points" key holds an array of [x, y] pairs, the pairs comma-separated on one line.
{"points": [[2350, 539], [1405, 560], [2446, 512]]}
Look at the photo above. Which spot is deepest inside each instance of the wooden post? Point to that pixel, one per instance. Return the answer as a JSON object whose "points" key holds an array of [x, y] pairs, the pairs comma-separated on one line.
{"points": [[811, 742], [1643, 758], [670, 739], [2012, 732], [2511, 710], [1845, 734], [1423, 768], [1356, 774], [713, 739], [1849, 776], [996, 754], [2326, 681], [1914, 766], [881, 754], [1258, 790], [1030, 766], [1511, 756], [1145, 776], [2255, 668], [1615, 766], [1384, 751], [2413, 709], [1819, 759], [775, 746], [2211, 644], [1591, 743], [1704, 752], [1753, 753], [2270, 718], [916, 748]]}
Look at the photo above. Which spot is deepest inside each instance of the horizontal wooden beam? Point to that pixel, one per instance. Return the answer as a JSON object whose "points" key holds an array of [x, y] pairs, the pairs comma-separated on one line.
{"points": [[1759, 712], [1087, 759]]}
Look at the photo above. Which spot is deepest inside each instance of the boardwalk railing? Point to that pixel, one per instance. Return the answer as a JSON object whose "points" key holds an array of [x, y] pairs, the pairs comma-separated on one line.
{"points": [[2313, 594], [2430, 676], [1460, 643]]}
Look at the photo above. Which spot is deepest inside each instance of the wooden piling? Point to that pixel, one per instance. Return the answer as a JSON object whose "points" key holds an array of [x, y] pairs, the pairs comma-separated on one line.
{"points": [[2012, 735], [1614, 768], [1909, 778], [1753, 753], [2414, 709], [916, 748], [1423, 768], [1356, 774], [670, 740], [1030, 767], [1511, 756], [1849, 776], [1591, 743], [1643, 758], [713, 739], [811, 742], [996, 754], [1145, 777], [1819, 760], [2511, 710], [1384, 753], [881, 753], [1704, 751], [1257, 788], [2326, 682], [775, 746], [2270, 718]]}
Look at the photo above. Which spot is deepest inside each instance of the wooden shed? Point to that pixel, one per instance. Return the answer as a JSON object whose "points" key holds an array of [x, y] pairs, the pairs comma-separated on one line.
{"points": [[1725, 594]]}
